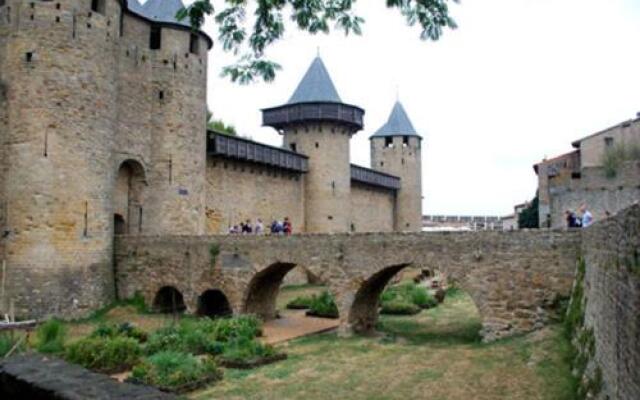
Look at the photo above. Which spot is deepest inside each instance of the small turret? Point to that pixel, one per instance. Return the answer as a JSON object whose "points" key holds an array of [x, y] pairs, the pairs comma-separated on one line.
{"points": [[317, 123], [396, 150]]}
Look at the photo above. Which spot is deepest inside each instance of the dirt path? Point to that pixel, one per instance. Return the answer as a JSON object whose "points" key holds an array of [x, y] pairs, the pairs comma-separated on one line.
{"points": [[294, 324]]}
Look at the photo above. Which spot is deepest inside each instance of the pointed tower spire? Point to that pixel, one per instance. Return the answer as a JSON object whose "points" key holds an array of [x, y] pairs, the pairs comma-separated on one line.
{"points": [[398, 124], [315, 86]]}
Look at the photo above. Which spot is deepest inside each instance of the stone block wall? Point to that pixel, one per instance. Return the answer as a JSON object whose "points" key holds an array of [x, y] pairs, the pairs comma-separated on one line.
{"points": [[237, 191], [372, 208], [597, 191], [611, 287]]}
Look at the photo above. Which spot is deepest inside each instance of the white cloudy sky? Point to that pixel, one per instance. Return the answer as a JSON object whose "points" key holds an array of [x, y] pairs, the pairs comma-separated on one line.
{"points": [[518, 81]]}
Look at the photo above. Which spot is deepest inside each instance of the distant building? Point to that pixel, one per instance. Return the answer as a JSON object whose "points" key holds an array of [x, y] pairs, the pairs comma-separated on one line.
{"points": [[581, 177], [460, 223]]}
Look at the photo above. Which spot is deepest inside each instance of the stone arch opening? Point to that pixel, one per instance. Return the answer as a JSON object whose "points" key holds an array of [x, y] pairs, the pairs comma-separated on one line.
{"points": [[363, 314], [169, 300], [263, 290], [213, 303], [128, 198]]}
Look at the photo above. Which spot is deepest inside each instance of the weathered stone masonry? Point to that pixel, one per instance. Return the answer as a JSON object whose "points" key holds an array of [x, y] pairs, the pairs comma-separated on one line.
{"points": [[514, 278], [611, 251]]}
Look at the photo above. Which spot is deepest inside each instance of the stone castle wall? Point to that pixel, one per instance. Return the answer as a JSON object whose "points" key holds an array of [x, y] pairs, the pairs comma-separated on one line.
{"points": [[372, 208], [612, 299], [237, 191], [597, 191], [80, 100], [404, 161]]}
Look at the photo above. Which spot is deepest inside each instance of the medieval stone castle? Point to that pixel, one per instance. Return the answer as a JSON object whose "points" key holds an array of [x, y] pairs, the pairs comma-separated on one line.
{"points": [[102, 131]]}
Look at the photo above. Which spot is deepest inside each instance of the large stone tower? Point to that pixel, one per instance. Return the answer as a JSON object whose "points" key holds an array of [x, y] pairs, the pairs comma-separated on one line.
{"points": [[396, 150], [98, 103], [317, 123]]}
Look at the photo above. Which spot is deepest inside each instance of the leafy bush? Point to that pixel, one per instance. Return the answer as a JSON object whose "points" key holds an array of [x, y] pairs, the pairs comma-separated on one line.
{"points": [[244, 349], [175, 371], [408, 293], [397, 307], [203, 335], [323, 306], [421, 298], [104, 354], [125, 330], [300, 303], [7, 342], [51, 336]]}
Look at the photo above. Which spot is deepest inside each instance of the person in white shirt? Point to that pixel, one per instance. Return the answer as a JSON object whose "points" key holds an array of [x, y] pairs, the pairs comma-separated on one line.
{"points": [[587, 218]]}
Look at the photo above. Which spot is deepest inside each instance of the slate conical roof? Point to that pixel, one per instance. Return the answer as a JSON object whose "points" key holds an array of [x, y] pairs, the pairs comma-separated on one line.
{"points": [[398, 124], [135, 6], [315, 86], [162, 11]]}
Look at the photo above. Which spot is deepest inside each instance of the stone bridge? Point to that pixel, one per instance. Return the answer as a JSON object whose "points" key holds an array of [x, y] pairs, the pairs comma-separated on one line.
{"points": [[514, 278]]}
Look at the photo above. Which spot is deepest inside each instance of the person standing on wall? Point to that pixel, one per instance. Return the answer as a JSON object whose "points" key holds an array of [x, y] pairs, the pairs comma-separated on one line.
{"points": [[288, 229], [259, 228], [587, 218]]}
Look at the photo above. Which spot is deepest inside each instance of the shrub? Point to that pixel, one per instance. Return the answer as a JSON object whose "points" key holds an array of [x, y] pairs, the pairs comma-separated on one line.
{"points": [[104, 354], [300, 303], [125, 330], [244, 349], [421, 298], [202, 335], [175, 371], [397, 307], [7, 342], [323, 306], [51, 336]]}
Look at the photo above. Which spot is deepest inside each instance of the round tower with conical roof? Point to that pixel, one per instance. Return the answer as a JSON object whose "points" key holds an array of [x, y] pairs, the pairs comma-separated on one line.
{"points": [[396, 150], [317, 123]]}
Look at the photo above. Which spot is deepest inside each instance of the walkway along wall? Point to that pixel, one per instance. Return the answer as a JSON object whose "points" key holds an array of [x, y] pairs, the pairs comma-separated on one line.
{"points": [[605, 308], [514, 278]]}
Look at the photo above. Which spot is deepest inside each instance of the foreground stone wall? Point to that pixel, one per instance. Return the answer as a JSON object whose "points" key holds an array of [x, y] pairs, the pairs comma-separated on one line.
{"points": [[514, 278], [238, 191], [612, 299], [372, 208]]}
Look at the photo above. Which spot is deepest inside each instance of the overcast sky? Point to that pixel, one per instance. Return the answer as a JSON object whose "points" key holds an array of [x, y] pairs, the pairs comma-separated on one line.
{"points": [[518, 81]]}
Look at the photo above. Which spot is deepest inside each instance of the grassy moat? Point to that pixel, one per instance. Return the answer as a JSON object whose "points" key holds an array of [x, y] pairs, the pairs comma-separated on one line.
{"points": [[436, 354]]}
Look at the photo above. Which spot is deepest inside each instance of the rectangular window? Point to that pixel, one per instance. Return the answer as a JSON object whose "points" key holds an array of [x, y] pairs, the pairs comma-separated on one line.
{"points": [[193, 44], [608, 141], [2, 2], [155, 39], [292, 146], [98, 6], [405, 141], [388, 141]]}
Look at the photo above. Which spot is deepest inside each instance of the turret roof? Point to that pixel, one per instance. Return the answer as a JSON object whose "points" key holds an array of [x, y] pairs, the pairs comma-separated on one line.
{"points": [[159, 10], [398, 124], [315, 86]]}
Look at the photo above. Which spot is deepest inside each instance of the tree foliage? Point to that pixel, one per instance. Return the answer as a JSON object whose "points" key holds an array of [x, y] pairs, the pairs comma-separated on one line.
{"points": [[248, 38], [219, 126], [528, 218]]}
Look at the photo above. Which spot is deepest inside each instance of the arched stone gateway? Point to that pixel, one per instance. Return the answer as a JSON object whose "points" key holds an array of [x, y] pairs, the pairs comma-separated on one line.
{"points": [[169, 300], [213, 303], [514, 278]]}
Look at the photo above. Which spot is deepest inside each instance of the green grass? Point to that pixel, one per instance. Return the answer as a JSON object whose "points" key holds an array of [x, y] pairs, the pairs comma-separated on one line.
{"points": [[51, 336], [436, 354]]}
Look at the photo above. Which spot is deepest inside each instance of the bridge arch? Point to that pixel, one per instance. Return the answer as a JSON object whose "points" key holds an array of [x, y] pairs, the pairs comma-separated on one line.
{"points": [[213, 303], [363, 313], [168, 299], [263, 289]]}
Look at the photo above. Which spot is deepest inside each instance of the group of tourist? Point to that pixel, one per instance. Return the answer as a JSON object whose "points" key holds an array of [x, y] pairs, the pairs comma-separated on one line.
{"points": [[277, 228], [582, 219]]}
